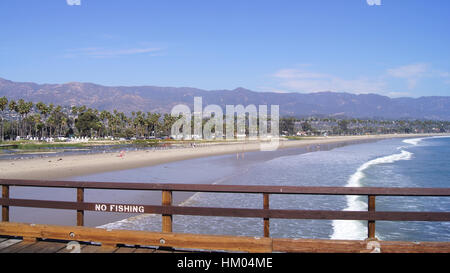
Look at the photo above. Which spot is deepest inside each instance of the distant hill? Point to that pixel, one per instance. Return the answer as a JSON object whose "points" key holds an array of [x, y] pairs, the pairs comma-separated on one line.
{"points": [[162, 99]]}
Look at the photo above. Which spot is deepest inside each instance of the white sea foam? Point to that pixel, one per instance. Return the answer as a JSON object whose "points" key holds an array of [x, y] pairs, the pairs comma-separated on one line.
{"points": [[415, 141], [441, 137], [356, 230], [137, 222]]}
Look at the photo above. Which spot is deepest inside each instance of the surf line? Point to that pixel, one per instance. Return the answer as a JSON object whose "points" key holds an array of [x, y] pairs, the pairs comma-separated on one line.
{"points": [[356, 230]]}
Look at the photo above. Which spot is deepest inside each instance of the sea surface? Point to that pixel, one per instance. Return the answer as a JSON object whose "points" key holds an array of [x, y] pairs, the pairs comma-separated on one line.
{"points": [[414, 162]]}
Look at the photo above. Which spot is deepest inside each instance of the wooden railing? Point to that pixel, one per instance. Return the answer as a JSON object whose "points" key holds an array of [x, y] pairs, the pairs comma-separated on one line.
{"points": [[167, 209]]}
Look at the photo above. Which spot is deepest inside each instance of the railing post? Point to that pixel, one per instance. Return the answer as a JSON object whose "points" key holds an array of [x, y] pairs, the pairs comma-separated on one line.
{"points": [[371, 224], [266, 220], [167, 218], [80, 213], [5, 209]]}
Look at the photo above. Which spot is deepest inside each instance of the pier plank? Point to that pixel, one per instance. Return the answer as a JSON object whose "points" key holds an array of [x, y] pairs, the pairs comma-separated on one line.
{"points": [[8, 243], [16, 247], [43, 247]]}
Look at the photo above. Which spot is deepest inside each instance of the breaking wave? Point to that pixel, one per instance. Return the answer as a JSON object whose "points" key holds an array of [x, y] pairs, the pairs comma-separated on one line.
{"points": [[414, 141], [356, 230]]}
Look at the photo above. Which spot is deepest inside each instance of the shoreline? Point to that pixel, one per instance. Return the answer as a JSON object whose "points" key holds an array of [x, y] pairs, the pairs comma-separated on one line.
{"points": [[77, 165]]}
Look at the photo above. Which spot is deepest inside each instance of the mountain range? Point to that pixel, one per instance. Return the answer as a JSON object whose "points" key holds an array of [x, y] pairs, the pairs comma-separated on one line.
{"points": [[161, 99]]}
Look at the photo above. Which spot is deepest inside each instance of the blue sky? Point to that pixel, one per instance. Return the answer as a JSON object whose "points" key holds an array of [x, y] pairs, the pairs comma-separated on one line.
{"points": [[398, 48]]}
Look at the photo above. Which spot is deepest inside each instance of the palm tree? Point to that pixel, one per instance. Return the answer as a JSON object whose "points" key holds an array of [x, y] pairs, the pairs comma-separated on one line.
{"points": [[3, 105], [21, 106], [152, 123], [123, 122], [24, 109], [12, 107], [168, 121], [37, 123], [44, 112], [55, 120], [139, 123], [105, 118]]}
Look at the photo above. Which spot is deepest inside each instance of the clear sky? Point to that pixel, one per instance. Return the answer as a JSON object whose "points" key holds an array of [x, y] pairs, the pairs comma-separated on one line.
{"points": [[398, 48]]}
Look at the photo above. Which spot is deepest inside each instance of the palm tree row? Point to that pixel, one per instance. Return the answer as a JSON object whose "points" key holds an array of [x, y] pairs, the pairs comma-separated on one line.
{"points": [[25, 119], [45, 121]]}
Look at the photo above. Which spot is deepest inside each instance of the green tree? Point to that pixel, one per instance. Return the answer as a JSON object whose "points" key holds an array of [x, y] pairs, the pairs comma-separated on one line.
{"points": [[86, 122], [12, 107], [36, 118], [168, 121], [343, 125], [306, 126], [105, 118], [3, 105], [153, 123], [287, 125], [58, 121], [24, 108], [44, 110]]}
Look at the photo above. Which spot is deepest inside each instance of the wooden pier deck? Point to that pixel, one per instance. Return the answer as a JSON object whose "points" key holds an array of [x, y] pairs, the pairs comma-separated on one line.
{"points": [[52, 238], [13, 245]]}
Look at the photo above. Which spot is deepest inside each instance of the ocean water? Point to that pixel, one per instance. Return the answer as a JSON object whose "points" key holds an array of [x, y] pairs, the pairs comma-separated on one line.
{"points": [[421, 162], [418, 162]]}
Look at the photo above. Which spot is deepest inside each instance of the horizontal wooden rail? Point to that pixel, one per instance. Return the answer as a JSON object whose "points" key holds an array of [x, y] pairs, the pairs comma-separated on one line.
{"points": [[375, 191], [234, 212]]}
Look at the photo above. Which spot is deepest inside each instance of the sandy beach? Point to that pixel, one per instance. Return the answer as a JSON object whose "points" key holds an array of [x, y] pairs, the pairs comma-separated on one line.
{"points": [[76, 165]]}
